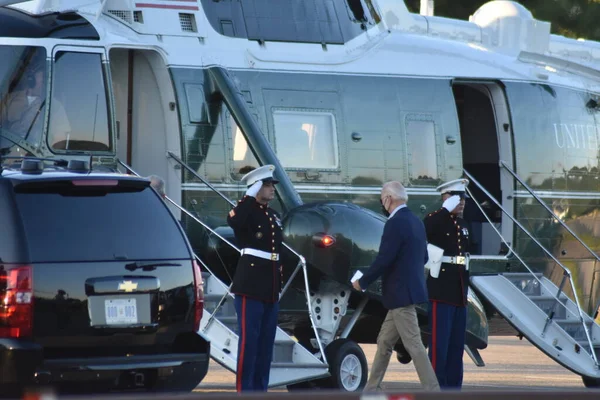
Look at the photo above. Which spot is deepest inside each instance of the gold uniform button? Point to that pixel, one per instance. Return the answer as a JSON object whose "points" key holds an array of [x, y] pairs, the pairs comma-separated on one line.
{"points": [[252, 265]]}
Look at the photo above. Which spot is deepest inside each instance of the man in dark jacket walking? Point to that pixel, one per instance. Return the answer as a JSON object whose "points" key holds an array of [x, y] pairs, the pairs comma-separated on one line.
{"points": [[257, 281], [400, 262]]}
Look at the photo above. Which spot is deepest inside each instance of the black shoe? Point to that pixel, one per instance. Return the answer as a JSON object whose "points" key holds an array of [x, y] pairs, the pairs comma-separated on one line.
{"points": [[403, 358]]}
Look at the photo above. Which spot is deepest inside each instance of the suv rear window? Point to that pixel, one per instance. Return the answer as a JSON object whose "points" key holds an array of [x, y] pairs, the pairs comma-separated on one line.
{"points": [[98, 224]]}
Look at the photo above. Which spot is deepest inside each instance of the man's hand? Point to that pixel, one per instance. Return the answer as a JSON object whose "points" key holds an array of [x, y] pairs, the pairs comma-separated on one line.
{"points": [[254, 189], [356, 285], [451, 203]]}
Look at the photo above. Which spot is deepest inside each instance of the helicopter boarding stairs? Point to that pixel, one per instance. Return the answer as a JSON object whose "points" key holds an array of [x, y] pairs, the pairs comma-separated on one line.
{"points": [[292, 363], [538, 308]]}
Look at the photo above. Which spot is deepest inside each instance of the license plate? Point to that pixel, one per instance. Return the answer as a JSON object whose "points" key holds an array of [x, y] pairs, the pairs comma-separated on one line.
{"points": [[120, 311]]}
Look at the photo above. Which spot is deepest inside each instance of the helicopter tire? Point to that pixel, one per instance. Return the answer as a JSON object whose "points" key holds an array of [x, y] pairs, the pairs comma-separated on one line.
{"points": [[590, 382]]}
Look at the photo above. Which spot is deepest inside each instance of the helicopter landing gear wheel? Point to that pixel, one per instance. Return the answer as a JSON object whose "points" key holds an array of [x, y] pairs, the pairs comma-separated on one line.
{"points": [[347, 365]]}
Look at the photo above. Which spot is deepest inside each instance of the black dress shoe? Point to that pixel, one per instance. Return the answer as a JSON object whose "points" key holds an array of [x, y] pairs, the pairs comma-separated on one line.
{"points": [[403, 358]]}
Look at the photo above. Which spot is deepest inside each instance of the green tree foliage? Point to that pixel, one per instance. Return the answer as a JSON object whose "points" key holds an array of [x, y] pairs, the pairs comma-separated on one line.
{"points": [[572, 18]]}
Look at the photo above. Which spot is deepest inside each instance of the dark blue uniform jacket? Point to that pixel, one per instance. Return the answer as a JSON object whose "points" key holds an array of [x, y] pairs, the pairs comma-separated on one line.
{"points": [[400, 262]]}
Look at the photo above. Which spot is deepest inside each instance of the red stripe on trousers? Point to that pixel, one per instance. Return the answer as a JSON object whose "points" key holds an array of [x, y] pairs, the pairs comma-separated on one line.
{"points": [[434, 335], [240, 366]]}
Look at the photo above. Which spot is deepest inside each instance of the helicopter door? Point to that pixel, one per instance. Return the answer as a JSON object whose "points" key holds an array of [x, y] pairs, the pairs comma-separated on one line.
{"points": [[486, 139]]}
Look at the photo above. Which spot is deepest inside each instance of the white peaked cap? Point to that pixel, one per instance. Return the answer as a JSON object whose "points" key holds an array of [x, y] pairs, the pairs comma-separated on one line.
{"points": [[457, 185], [264, 173]]}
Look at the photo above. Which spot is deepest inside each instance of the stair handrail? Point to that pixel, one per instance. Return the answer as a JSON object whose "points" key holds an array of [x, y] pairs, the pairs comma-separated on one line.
{"points": [[566, 271], [301, 262], [543, 204]]}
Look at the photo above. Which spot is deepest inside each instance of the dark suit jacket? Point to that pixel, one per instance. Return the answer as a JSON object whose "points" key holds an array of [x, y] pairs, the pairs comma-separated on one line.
{"points": [[401, 261]]}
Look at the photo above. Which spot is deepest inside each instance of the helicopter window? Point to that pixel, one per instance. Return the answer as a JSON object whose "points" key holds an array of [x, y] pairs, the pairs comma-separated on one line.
{"points": [[197, 107], [78, 110], [306, 138], [23, 78], [422, 151], [357, 10], [243, 159]]}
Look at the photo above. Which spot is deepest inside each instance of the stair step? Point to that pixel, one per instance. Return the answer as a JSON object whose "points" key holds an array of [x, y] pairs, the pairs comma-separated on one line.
{"points": [[525, 282], [584, 344], [230, 322], [546, 303], [283, 351], [212, 286], [227, 309], [522, 274], [574, 328]]}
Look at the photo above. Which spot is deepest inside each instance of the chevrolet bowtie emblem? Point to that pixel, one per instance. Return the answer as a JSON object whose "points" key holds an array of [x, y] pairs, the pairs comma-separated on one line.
{"points": [[128, 286]]}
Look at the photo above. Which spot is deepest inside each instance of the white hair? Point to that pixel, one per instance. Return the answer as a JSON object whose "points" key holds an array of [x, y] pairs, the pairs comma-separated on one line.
{"points": [[158, 184], [395, 190]]}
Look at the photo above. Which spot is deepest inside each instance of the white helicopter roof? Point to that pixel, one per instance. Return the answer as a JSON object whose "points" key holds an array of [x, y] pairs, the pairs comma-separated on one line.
{"points": [[501, 40]]}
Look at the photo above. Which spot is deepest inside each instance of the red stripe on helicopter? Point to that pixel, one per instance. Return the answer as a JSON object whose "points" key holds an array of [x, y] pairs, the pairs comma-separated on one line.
{"points": [[166, 6]]}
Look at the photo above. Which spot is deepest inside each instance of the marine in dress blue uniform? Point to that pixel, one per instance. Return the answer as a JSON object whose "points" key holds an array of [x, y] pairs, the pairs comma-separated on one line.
{"points": [[257, 281], [448, 292]]}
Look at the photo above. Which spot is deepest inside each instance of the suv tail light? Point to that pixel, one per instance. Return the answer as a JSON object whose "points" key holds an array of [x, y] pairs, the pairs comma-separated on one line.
{"points": [[16, 307], [199, 294]]}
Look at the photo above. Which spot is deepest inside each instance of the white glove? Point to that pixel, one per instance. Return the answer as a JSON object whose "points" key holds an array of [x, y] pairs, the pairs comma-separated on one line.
{"points": [[254, 189], [451, 203]]}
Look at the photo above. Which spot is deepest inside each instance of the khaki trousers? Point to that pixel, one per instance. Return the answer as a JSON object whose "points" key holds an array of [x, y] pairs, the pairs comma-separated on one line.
{"points": [[401, 323]]}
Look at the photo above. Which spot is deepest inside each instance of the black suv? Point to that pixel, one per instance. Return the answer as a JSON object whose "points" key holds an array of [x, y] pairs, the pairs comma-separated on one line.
{"points": [[99, 288]]}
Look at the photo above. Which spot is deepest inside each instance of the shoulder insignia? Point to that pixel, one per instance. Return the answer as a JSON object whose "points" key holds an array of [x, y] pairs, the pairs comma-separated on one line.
{"points": [[232, 213], [435, 212]]}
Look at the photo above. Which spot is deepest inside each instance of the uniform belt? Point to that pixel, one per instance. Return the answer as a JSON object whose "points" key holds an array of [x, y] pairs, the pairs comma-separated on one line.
{"points": [[261, 254], [462, 260]]}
